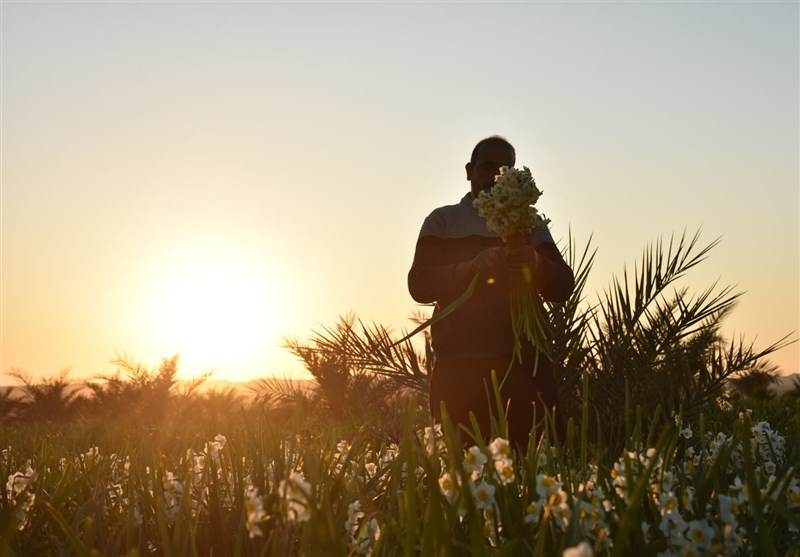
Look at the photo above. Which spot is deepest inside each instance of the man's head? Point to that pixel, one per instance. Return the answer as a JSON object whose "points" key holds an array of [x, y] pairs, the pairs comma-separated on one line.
{"points": [[487, 158]]}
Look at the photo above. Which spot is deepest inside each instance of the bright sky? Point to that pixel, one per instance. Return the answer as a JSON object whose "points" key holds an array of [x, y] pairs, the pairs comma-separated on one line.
{"points": [[204, 178]]}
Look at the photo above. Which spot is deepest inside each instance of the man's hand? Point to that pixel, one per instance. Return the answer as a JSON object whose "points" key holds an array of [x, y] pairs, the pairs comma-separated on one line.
{"points": [[486, 263], [492, 261], [521, 258], [488, 259]]}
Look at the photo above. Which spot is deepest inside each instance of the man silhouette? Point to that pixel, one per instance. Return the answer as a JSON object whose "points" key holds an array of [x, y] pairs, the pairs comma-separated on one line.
{"points": [[454, 245]]}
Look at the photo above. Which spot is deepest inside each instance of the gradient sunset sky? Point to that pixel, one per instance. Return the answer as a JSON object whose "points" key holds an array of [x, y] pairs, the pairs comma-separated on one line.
{"points": [[206, 177]]}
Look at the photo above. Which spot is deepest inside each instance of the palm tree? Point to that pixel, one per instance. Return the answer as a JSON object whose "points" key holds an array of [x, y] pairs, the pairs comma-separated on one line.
{"points": [[756, 383], [135, 391], [647, 342], [8, 404], [793, 392], [357, 370], [361, 375], [52, 399]]}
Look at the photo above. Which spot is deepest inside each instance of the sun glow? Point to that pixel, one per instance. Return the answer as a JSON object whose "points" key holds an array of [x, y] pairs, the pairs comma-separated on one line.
{"points": [[219, 314]]}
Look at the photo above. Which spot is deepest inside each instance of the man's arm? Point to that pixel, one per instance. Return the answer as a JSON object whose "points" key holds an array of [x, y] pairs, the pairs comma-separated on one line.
{"points": [[433, 277], [429, 279], [555, 280]]}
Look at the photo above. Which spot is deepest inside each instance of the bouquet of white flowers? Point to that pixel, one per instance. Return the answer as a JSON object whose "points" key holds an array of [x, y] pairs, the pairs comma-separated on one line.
{"points": [[508, 208]]}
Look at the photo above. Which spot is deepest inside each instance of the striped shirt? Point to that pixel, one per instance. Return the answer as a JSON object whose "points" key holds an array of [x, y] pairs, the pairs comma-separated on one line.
{"points": [[481, 326]]}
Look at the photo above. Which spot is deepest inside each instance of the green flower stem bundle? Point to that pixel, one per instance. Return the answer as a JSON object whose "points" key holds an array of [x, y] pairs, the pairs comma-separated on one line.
{"points": [[509, 210]]}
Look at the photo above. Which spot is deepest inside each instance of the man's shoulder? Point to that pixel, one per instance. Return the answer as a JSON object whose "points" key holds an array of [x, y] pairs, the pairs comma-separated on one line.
{"points": [[455, 221], [463, 207], [541, 236]]}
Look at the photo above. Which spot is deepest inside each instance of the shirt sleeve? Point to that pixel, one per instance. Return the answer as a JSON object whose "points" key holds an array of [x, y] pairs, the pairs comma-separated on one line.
{"points": [[555, 280], [431, 278]]}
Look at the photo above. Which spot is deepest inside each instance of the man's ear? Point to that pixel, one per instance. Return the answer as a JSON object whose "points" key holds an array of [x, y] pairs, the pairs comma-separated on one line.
{"points": [[468, 167]]}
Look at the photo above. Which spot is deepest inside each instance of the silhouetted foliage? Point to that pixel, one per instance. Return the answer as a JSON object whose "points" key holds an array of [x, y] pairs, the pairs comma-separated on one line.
{"points": [[9, 405], [135, 391], [642, 345], [212, 408], [359, 372], [51, 399], [756, 383], [646, 342], [794, 391]]}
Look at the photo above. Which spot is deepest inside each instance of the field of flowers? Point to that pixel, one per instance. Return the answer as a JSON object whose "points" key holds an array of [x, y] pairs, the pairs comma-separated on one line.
{"points": [[675, 445], [255, 489]]}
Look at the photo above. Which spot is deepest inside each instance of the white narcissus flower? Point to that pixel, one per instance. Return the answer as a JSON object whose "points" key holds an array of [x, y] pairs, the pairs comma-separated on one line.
{"points": [[583, 549], [18, 490], [448, 487], [483, 493], [668, 481], [545, 485], [366, 536], [770, 444], [296, 491], [214, 447], [354, 515], [173, 488], [667, 502], [19, 481], [255, 512], [342, 448], [474, 460], [505, 470], [618, 476], [700, 534], [673, 526], [533, 511], [92, 456], [432, 438], [173, 491], [388, 455], [363, 534], [589, 515], [500, 448], [793, 493], [559, 508], [728, 509]]}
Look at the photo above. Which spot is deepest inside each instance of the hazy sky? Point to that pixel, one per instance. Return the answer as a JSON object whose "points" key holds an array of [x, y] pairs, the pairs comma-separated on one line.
{"points": [[204, 178]]}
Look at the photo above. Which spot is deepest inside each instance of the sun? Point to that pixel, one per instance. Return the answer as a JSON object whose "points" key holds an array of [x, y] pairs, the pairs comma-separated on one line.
{"points": [[218, 312]]}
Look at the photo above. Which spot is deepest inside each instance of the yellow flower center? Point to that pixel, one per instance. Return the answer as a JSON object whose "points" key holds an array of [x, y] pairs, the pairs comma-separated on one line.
{"points": [[698, 535]]}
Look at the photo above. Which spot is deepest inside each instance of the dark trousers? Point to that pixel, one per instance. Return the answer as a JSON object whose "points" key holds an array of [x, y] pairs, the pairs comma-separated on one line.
{"points": [[465, 385]]}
